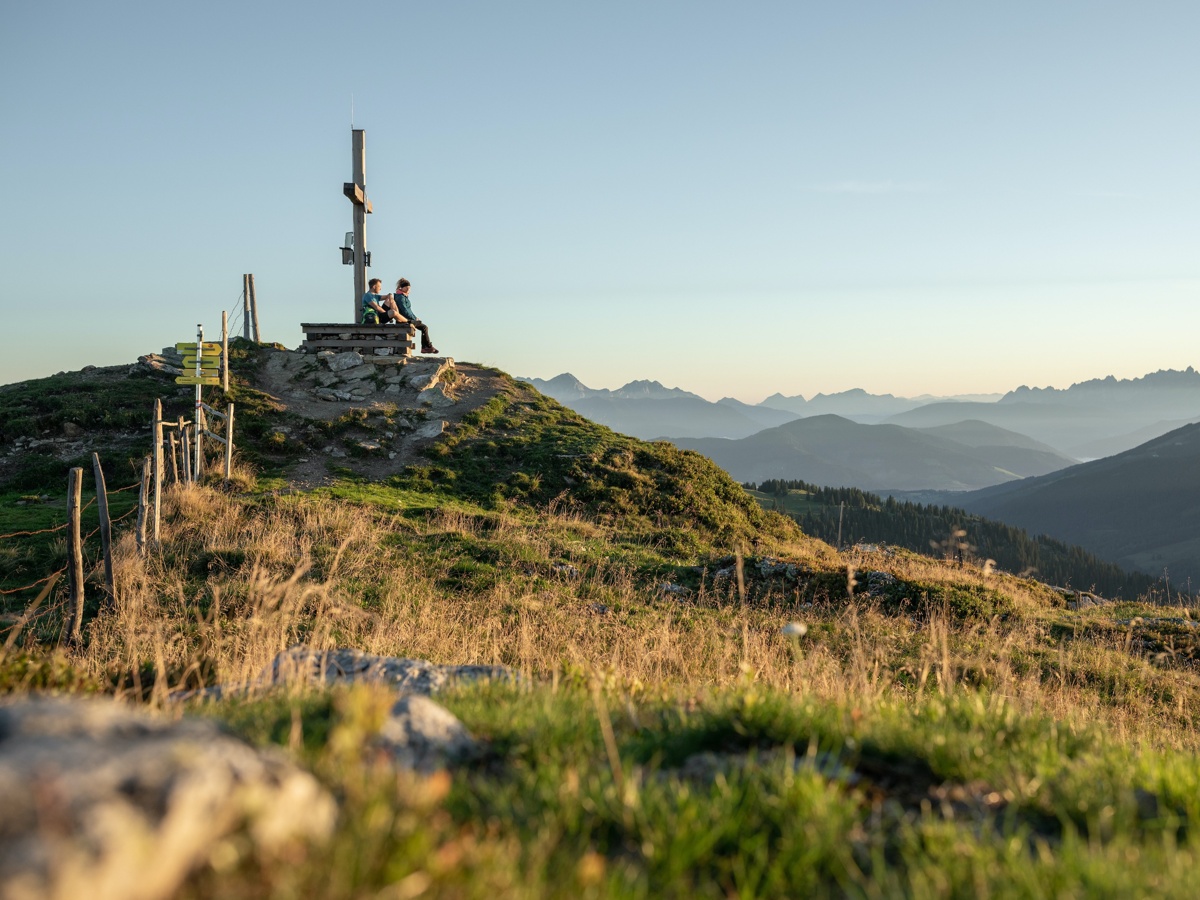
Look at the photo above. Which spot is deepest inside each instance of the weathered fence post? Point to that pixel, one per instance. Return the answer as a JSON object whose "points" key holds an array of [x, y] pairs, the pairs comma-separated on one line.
{"points": [[254, 310], [143, 505], [185, 451], [229, 442], [174, 459], [75, 552], [246, 307], [157, 456], [105, 526]]}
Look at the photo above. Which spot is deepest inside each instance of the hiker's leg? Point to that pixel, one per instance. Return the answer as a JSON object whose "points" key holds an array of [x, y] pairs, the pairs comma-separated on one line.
{"points": [[426, 343], [393, 311]]}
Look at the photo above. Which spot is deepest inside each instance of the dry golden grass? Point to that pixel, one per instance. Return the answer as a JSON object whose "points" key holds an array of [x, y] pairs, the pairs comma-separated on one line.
{"points": [[235, 583]]}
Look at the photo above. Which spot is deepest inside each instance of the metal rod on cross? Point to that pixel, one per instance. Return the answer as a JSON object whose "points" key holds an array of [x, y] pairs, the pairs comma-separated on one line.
{"points": [[356, 191]]}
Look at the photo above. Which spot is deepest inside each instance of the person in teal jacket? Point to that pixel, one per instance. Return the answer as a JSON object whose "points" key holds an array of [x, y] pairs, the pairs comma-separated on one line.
{"points": [[405, 311], [377, 308]]}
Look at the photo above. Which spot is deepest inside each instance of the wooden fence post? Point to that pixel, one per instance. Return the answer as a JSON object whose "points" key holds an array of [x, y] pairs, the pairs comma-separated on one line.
{"points": [[185, 451], [174, 459], [254, 310], [143, 505], [229, 442], [157, 457], [246, 307], [105, 526], [225, 351], [75, 553]]}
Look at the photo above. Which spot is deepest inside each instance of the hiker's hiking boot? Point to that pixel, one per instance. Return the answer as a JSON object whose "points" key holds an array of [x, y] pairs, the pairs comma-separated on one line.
{"points": [[430, 351]]}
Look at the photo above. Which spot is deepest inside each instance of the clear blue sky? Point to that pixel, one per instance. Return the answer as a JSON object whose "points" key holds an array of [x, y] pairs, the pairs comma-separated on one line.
{"points": [[736, 199]]}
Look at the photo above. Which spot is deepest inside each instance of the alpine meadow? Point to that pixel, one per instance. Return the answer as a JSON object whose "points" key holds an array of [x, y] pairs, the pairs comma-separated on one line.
{"points": [[656, 686]]}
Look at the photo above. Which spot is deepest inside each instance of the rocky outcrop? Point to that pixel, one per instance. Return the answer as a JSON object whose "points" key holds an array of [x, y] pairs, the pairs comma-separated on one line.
{"points": [[158, 365], [343, 666], [101, 801]]}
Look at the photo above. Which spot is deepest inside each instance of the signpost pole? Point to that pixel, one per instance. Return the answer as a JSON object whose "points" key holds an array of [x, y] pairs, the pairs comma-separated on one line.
{"points": [[225, 351], [199, 358]]}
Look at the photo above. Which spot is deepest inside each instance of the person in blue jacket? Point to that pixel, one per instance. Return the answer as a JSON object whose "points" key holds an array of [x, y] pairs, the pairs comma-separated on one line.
{"points": [[406, 314]]}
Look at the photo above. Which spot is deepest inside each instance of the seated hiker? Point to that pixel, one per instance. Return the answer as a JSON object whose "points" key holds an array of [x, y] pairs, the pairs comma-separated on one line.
{"points": [[406, 314], [379, 309]]}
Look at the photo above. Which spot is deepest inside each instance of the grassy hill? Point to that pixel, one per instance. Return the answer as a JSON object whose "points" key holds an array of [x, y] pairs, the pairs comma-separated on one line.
{"points": [[835, 451], [930, 730], [1139, 509]]}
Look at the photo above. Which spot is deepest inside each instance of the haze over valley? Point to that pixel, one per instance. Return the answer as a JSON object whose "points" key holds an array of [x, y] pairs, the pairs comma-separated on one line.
{"points": [[1111, 465]]}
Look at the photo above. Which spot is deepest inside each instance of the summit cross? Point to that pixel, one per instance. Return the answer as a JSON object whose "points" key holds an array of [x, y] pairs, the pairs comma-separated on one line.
{"points": [[356, 191]]}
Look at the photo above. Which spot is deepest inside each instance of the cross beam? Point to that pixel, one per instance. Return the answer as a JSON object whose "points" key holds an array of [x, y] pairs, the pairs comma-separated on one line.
{"points": [[356, 192]]}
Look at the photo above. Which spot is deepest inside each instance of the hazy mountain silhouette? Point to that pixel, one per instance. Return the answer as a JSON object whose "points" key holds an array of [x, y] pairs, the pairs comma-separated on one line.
{"points": [[672, 417], [860, 406], [566, 388], [647, 410], [622, 409], [1105, 413], [1139, 509], [832, 450], [1110, 446]]}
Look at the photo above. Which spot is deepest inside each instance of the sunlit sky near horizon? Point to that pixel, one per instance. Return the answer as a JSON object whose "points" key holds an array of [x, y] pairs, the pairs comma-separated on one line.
{"points": [[735, 199]]}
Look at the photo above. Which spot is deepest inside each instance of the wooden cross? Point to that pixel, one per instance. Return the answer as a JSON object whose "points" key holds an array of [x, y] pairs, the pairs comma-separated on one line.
{"points": [[356, 191]]}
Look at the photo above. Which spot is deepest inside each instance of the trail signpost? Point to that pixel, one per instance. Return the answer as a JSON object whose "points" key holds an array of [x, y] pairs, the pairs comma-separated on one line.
{"points": [[201, 363]]}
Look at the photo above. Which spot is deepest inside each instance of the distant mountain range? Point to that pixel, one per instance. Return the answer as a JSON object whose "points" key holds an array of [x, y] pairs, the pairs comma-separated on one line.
{"points": [[1087, 420], [860, 406], [648, 410], [834, 451], [1139, 509], [1010, 458]]}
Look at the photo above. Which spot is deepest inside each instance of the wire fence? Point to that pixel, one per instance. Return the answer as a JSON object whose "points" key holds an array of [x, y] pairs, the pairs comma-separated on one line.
{"points": [[13, 534], [58, 528], [235, 322]]}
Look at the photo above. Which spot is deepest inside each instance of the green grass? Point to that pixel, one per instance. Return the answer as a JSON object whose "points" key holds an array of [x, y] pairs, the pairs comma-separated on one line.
{"points": [[524, 448], [745, 792]]}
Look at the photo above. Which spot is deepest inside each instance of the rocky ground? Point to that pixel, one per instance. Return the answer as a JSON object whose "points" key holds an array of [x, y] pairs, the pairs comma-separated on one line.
{"points": [[405, 406]]}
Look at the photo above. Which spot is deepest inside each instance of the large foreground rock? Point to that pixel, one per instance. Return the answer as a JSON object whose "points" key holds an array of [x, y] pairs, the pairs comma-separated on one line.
{"points": [[425, 736], [101, 801]]}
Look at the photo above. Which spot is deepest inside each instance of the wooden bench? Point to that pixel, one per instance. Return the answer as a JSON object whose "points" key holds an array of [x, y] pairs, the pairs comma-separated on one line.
{"points": [[381, 342]]}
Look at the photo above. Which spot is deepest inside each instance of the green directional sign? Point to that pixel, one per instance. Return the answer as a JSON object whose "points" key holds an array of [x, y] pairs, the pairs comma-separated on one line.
{"points": [[212, 380], [208, 346], [206, 362]]}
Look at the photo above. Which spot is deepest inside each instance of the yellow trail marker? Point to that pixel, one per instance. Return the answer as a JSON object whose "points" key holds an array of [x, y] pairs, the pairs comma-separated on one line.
{"points": [[209, 347], [206, 362], [203, 379]]}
